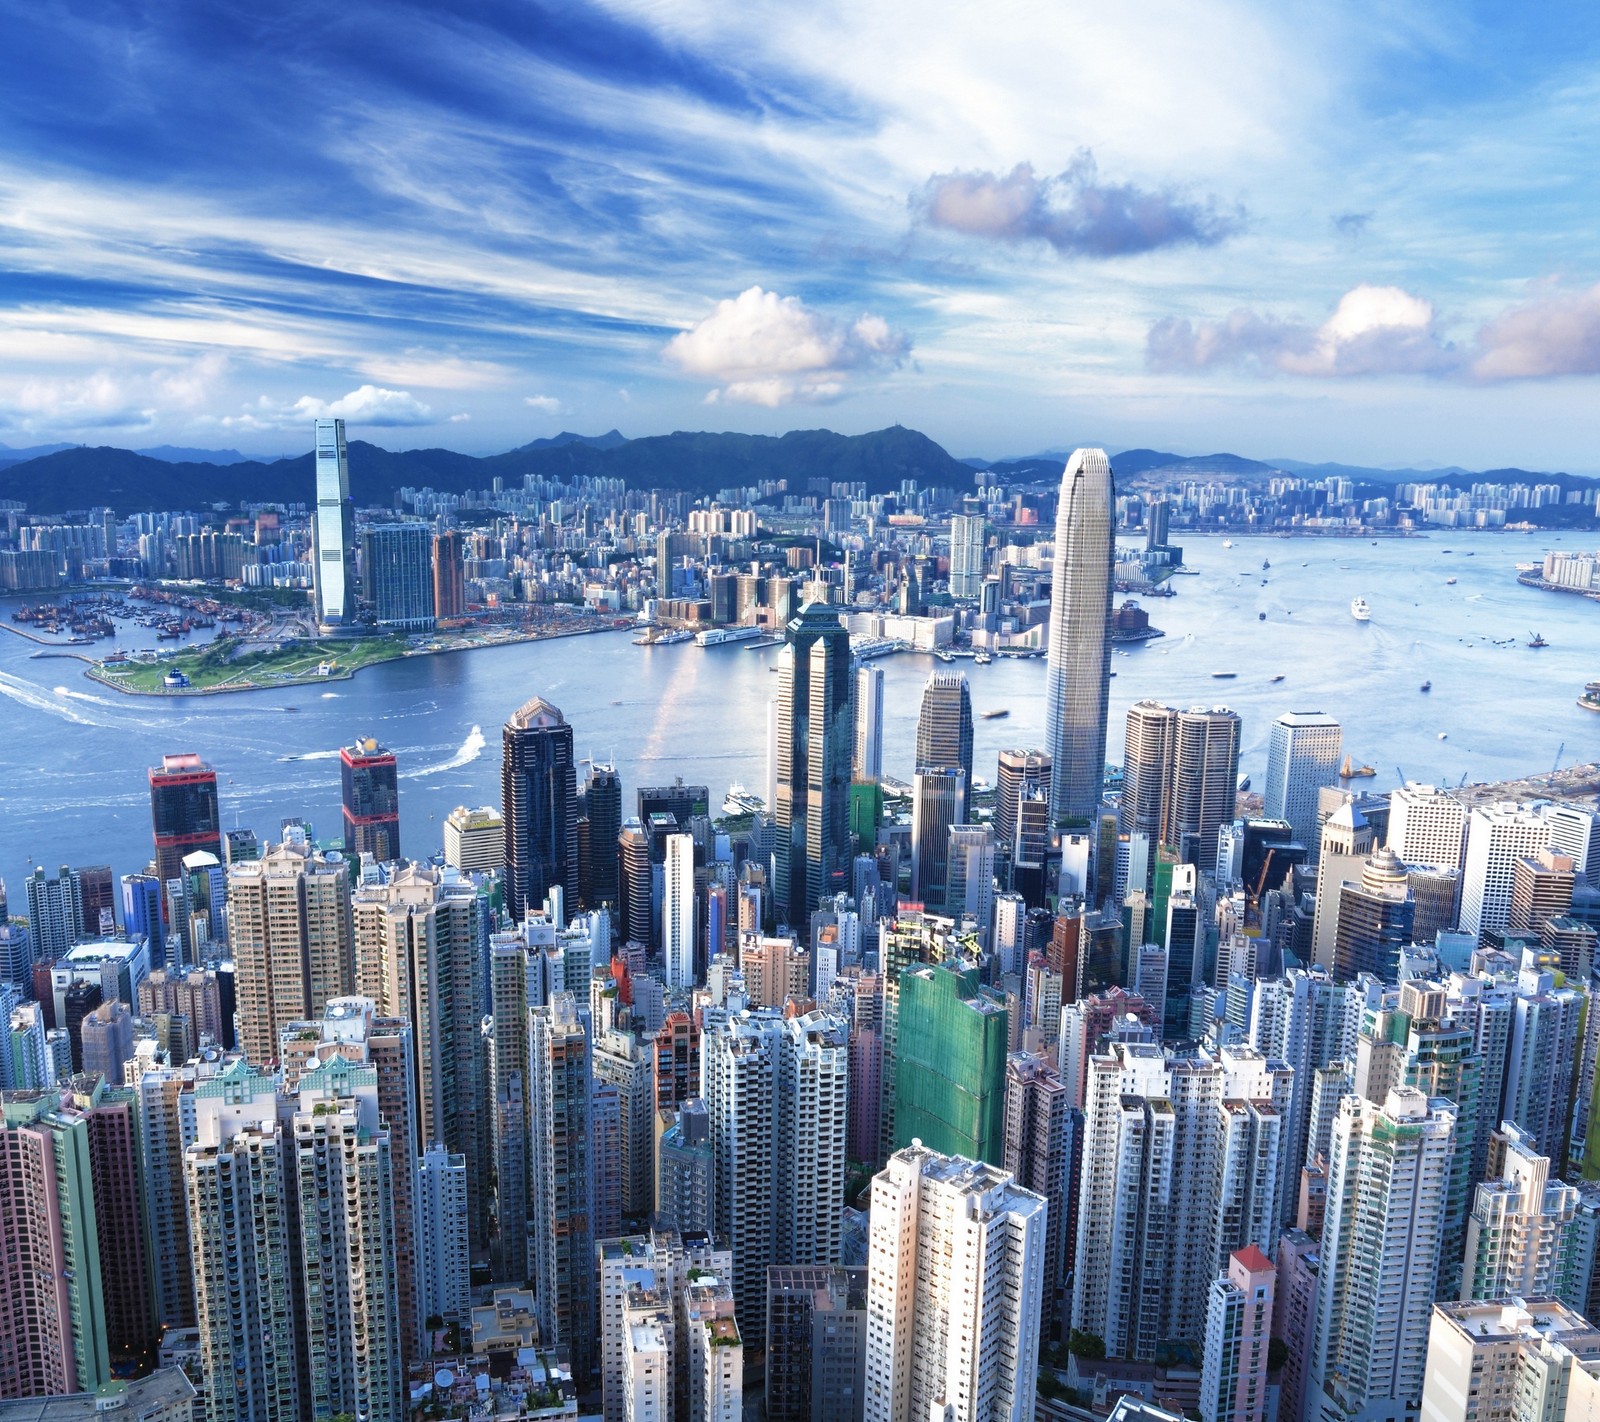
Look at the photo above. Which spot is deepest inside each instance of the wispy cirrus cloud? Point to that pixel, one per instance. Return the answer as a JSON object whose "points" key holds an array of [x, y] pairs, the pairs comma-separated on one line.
{"points": [[764, 349], [1076, 211]]}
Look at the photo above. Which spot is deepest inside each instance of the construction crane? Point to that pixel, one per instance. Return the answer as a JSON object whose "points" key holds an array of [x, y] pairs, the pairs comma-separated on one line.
{"points": [[1559, 750]]}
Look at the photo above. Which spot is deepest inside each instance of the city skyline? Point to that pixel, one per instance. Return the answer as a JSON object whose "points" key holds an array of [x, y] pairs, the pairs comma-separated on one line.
{"points": [[1357, 230]]}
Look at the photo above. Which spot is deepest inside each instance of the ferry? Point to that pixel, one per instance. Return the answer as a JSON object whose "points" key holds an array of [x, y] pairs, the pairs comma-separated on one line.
{"points": [[1537, 641], [716, 636], [1277, 679], [1361, 610], [1590, 700], [1227, 543], [1223, 676], [982, 659], [1426, 686], [1449, 582], [998, 715], [740, 801]]}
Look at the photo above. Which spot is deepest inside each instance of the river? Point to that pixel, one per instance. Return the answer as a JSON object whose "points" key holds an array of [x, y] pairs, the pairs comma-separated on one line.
{"points": [[73, 753]]}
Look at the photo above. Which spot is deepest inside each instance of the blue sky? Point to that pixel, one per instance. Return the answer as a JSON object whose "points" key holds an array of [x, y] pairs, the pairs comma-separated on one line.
{"points": [[1365, 232]]}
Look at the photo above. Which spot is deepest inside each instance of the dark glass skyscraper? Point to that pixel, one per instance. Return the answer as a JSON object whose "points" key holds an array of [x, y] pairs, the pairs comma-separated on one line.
{"points": [[397, 574], [944, 726], [1078, 683], [602, 805], [370, 790], [539, 799], [183, 812], [815, 741]]}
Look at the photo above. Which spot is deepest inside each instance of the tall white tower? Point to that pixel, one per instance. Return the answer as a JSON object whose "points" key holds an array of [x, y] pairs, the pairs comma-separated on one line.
{"points": [[867, 762], [677, 913], [333, 566], [955, 1283], [1302, 757], [1078, 685]]}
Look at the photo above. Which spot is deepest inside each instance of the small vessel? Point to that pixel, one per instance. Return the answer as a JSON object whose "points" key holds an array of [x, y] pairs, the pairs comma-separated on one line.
{"points": [[740, 801], [1223, 676], [1277, 679], [1444, 735], [982, 659], [1351, 771], [1261, 617], [1449, 582], [1537, 641], [1361, 610], [1590, 700], [1227, 543], [1426, 686], [1244, 782], [1002, 712], [1265, 565]]}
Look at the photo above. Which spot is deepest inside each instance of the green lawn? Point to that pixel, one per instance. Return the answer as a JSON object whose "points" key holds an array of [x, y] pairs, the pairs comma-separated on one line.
{"points": [[219, 665]]}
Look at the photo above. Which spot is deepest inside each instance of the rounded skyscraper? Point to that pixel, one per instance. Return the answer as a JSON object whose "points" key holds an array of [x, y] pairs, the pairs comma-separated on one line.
{"points": [[1080, 637]]}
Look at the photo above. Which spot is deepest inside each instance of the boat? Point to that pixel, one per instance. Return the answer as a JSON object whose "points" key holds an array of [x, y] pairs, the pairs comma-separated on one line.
{"points": [[1265, 565], [982, 659], [1227, 543], [716, 636], [740, 801], [1223, 676], [1277, 679], [1426, 686], [1444, 735], [1590, 700], [996, 715], [1361, 610], [1244, 783], [1261, 617], [1351, 771], [1449, 582], [1537, 641]]}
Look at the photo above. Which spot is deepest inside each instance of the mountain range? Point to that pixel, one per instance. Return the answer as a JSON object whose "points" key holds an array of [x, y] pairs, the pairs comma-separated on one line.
{"points": [[55, 478]]}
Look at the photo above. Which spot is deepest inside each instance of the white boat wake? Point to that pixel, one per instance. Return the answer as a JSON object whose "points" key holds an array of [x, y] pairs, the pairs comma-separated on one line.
{"points": [[471, 749]]}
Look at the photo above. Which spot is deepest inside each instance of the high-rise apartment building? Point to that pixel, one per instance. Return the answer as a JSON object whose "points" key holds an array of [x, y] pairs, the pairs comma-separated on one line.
{"points": [[333, 565], [1179, 777], [867, 761], [1510, 1360], [944, 726], [1233, 1371], [969, 876], [1038, 1152], [370, 795], [678, 917], [1181, 1164], [1520, 1238], [1497, 837], [967, 534], [1541, 889], [289, 914], [397, 575], [183, 813], [539, 798], [955, 1280], [561, 1206], [775, 1089], [950, 1062], [443, 1245], [1023, 777], [1079, 666], [55, 918], [51, 1290], [813, 748], [1388, 1171], [1302, 758], [816, 1343]]}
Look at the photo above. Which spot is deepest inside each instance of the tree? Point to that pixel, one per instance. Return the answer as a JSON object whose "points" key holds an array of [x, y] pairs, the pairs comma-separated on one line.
{"points": [[1086, 1345]]}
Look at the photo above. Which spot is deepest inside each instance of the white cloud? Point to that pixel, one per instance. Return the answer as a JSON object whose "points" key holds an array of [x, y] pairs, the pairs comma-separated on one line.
{"points": [[460, 419], [1374, 330], [545, 404], [764, 349], [1557, 333], [367, 405]]}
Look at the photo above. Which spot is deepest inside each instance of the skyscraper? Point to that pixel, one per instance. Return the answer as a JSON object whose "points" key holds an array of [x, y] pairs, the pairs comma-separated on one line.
{"points": [[539, 797], [1038, 1150], [444, 1251], [370, 788], [1233, 1375], [1080, 636], [816, 1343], [944, 726], [1521, 1241], [1021, 775], [560, 1180], [1302, 758], [814, 744], [966, 555], [183, 813], [955, 1281], [1380, 1255], [775, 1089], [1179, 776], [55, 919], [449, 583], [678, 914], [867, 762], [397, 575], [939, 801], [602, 806], [333, 567], [950, 1063], [1427, 826], [1497, 837], [292, 946]]}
